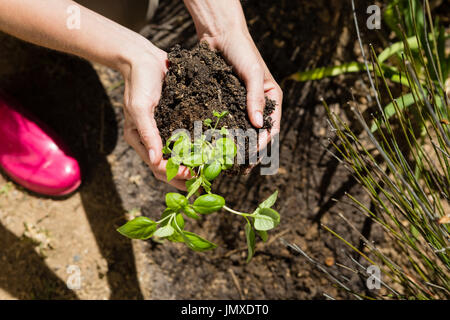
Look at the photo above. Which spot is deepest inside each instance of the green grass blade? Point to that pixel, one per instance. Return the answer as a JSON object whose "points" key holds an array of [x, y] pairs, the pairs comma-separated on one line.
{"points": [[396, 48], [320, 73]]}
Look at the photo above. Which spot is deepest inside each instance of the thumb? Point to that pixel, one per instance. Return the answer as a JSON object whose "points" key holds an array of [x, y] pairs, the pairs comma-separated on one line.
{"points": [[143, 93], [254, 82], [150, 138]]}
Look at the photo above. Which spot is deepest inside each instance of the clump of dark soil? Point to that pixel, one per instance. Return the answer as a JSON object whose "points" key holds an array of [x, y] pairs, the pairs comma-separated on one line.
{"points": [[199, 82]]}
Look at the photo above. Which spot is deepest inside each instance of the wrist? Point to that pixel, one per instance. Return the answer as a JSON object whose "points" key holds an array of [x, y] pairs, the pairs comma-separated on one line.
{"points": [[215, 18], [137, 53]]}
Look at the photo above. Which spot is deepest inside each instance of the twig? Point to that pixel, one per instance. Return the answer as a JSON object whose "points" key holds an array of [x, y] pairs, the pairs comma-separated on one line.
{"points": [[236, 283], [275, 237], [319, 266]]}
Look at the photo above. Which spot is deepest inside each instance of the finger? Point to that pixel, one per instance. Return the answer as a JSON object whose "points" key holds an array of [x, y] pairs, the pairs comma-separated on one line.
{"points": [[133, 138], [149, 136], [143, 94], [143, 135], [179, 184], [183, 172], [263, 141], [274, 93], [254, 82]]}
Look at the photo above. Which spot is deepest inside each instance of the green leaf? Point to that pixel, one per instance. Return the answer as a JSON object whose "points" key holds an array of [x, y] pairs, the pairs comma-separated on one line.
{"points": [[270, 201], [208, 203], [324, 72], [266, 219], [176, 159], [320, 73], [206, 154], [171, 169], [226, 147], [264, 223], [182, 146], [226, 162], [166, 150], [216, 114], [263, 235], [179, 221], [397, 47], [275, 216], [176, 201], [176, 237], [206, 185], [224, 131], [177, 136], [166, 212], [190, 212], [190, 182], [193, 185], [202, 149], [223, 114], [197, 243], [403, 102], [165, 231], [212, 170], [250, 236], [207, 122], [193, 160], [138, 228]]}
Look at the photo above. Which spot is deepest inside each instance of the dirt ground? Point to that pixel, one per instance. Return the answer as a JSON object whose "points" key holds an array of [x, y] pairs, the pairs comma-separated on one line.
{"points": [[40, 237]]}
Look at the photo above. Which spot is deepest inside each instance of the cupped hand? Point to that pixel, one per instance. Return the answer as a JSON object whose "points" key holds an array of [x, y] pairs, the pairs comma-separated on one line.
{"points": [[240, 51], [143, 85]]}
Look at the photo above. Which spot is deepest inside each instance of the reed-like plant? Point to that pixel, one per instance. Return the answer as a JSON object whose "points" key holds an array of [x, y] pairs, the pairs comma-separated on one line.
{"points": [[402, 160]]}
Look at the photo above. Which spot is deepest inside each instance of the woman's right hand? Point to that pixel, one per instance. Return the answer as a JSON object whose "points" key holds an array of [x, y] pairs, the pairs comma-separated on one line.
{"points": [[143, 78]]}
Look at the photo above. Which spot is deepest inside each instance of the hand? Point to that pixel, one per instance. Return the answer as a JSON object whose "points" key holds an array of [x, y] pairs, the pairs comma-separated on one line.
{"points": [[142, 65], [240, 51], [143, 85], [222, 24]]}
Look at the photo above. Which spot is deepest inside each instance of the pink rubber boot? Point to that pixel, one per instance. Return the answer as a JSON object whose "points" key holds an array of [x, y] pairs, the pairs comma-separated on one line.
{"points": [[33, 156]]}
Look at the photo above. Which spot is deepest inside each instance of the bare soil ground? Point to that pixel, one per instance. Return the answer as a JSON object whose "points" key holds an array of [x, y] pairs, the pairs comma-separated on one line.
{"points": [[40, 238]]}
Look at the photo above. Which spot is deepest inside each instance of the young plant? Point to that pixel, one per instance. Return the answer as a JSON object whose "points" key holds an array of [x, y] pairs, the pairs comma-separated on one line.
{"points": [[205, 160]]}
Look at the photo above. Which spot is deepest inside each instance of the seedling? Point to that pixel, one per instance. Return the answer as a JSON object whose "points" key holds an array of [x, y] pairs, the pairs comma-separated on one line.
{"points": [[205, 160]]}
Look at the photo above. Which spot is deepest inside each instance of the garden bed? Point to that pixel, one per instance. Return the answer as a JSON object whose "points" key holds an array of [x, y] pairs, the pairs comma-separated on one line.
{"points": [[292, 36]]}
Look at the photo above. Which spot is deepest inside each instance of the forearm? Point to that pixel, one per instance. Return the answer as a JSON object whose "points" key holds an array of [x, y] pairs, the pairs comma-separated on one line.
{"points": [[213, 18], [44, 22]]}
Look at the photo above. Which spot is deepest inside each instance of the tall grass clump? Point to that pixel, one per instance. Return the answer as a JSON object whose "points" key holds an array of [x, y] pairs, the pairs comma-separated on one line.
{"points": [[402, 156]]}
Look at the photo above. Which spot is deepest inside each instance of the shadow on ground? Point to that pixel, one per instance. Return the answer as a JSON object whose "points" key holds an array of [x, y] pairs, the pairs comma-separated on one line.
{"points": [[66, 94], [296, 35]]}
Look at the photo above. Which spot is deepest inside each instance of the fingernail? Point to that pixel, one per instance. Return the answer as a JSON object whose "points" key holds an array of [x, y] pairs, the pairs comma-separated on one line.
{"points": [[259, 119], [152, 156]]}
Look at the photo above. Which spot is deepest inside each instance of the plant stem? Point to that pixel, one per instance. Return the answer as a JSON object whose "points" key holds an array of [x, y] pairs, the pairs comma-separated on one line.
{"points": [[171, 218], [165, 218], [237, 212]]}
